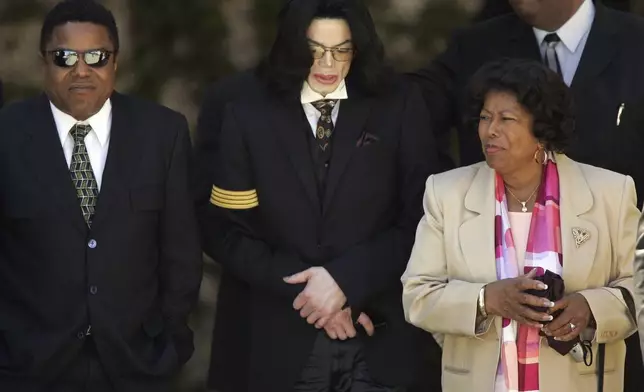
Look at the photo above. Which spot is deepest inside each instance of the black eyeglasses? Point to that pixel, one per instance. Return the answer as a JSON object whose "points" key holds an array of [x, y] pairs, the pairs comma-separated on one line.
{"points": [[339, 54], [65, 58]]}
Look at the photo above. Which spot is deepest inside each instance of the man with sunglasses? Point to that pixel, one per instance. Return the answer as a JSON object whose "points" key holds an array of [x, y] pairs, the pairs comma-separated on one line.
{"points": [[100, 261]]}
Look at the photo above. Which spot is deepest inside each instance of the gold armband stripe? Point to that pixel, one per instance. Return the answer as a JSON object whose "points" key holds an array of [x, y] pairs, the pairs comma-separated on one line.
{"points": [[251, 192], [234, 200]]}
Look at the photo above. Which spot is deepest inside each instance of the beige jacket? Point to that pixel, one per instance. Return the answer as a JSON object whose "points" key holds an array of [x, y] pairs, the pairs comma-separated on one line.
{"points": [[453, 257], [639, 280]]}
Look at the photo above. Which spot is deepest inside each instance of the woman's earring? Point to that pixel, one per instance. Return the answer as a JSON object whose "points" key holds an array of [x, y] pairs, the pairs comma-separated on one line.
{"points": [[545, 156]]}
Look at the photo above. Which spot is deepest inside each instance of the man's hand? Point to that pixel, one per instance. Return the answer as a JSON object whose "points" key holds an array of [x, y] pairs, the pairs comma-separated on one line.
{"points": [[321, 298], [340, 326]]}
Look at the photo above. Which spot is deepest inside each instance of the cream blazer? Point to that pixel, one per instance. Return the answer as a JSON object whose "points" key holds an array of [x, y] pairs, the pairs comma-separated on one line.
{"points": [[453, 257], [639, 280]]}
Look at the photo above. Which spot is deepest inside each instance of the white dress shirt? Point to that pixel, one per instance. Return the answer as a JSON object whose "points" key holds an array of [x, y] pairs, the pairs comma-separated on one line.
{"points": [[97, 140], [573, 35], [312, 114]]}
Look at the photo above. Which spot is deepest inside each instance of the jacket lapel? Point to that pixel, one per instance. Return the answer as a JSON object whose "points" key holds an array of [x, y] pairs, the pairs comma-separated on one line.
{"points": [[351, 119], [44, 158], [576, 200], [476, 235], [122, 157], [293, 129], [600, 48]]}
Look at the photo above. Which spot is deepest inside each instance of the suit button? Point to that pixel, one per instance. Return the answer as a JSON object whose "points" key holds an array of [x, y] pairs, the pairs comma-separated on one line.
{"points": [[92, 244], [80, 335], [93, 290], [326, 164], [319, 245]]}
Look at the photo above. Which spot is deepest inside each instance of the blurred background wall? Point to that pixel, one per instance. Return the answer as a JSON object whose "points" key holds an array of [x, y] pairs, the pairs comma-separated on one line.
{"points": [[171, 50]]}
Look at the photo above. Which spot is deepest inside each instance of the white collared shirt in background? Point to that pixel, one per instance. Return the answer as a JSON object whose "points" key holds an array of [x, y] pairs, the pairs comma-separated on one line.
{"points": [[573, 35]]}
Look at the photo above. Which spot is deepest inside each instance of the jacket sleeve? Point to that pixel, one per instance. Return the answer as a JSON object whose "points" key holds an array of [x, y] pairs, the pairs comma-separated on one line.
{"points": [[233, 232], [430, 300], [438, 85], [180, 264], [608, 305], [638, 278]]}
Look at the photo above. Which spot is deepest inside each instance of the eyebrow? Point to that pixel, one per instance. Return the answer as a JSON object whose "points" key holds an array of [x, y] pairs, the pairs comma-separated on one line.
{"points": [[340, 44], [506, 111]]}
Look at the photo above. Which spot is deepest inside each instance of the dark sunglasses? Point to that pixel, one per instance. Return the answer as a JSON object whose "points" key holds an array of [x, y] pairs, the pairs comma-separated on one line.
{"points": [[65, 58]]}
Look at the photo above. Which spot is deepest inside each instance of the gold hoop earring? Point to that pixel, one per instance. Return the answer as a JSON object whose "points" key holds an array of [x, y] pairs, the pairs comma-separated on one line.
{"points": [[545, 156]]}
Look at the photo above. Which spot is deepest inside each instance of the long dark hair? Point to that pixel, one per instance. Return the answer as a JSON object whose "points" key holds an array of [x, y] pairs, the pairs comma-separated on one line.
{"points": [[289, 61]]}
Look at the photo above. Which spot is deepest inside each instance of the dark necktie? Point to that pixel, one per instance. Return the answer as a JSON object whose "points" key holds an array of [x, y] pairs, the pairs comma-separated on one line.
{"points": [[82, 173], [324, 130], [323, 135], [551, 59]]}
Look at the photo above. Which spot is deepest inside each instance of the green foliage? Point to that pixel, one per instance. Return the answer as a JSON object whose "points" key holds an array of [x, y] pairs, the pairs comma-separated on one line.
{"points": [[12, 11], [175, 39]]}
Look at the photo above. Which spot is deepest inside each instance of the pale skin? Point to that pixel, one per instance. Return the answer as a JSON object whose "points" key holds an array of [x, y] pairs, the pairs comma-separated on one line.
{"points": [[510, 148], [321, 302]]}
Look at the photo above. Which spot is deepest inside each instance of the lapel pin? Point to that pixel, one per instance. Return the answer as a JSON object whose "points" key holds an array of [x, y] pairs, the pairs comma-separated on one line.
{"points": [[580, 235]]}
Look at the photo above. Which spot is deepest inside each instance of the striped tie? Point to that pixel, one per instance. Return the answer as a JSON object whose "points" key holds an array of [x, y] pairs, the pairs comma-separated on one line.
{"points": [[82, 173], [551, 59]]}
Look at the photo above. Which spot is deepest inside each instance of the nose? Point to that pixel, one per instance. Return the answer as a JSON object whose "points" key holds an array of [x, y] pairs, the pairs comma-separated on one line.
{"points": [[327, 59], [488, 130], [81, 69]]}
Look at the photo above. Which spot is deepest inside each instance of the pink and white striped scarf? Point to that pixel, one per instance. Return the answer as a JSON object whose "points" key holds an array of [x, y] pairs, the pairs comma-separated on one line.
{"points": [[519, 363]]}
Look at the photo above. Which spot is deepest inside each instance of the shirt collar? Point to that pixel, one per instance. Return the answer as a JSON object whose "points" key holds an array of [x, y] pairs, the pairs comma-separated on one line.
{"points": [[308, 95], [572, 32], [100, 122]]}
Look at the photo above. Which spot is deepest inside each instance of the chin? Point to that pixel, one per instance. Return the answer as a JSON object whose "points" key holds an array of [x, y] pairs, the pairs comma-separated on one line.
{"points": [[323, 89]]}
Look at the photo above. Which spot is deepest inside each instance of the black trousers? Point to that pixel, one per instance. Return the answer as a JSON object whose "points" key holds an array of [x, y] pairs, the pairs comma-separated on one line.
{"points": [[338, 366], [84, 373]]}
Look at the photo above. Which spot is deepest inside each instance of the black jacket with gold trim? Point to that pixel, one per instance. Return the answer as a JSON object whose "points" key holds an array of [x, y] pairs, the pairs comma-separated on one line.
{"points": [[267, 221]]}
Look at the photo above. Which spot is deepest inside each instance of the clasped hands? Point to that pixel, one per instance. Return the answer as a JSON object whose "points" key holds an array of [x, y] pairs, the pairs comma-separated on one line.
{"points": [[507, 298], [321, 303]]}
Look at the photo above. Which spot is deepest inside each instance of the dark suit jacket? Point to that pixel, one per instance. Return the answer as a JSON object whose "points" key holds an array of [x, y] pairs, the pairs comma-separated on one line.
{"points": [[1, 95], [361, 231], [610, 73], [230, 342], [135, 285]]}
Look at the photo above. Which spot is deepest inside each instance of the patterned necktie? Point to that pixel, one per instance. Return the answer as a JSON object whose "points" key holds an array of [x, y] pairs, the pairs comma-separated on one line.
{"points": [[82, 173], [551, 59], [324, 130]]}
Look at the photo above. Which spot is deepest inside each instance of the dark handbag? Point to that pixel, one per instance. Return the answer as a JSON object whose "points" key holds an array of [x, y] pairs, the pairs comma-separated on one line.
{"points": [[555, 292]]}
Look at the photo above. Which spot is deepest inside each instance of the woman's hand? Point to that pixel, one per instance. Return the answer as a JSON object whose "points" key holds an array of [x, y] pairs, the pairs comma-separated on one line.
{"points": [[575, 318], [507, 298]]}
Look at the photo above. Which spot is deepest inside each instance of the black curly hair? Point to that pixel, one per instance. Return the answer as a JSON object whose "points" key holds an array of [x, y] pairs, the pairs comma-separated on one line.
{"points": [[537, 88]]}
